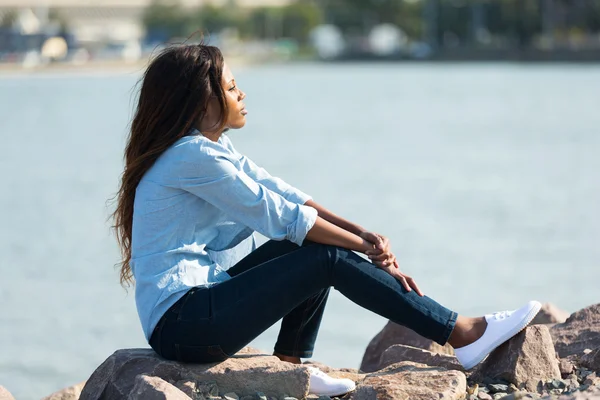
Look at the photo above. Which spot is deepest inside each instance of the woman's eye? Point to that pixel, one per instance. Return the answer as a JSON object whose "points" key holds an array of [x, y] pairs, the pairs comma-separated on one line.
{"points": [[232, 88]]}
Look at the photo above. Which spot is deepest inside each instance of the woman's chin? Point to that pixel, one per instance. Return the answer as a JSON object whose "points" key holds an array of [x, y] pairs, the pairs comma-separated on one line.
{"points": [[239, 123]]}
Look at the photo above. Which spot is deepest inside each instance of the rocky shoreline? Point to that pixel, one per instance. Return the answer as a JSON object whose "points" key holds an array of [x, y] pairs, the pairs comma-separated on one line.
{"points": [[554, 358]]}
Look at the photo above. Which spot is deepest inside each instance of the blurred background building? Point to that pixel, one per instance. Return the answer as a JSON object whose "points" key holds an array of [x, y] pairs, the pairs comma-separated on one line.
{"points": [[79, 31]]}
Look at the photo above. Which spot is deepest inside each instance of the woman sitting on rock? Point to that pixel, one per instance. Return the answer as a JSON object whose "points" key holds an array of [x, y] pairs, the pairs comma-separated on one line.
{"points": [[187, 209]]}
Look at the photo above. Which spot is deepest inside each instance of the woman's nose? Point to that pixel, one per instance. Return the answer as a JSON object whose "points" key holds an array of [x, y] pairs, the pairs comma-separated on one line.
{"points": [[242, 95]]}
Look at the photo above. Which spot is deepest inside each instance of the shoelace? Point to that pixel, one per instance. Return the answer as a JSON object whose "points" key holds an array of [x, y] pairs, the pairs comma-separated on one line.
{"points": [[501, 315]]}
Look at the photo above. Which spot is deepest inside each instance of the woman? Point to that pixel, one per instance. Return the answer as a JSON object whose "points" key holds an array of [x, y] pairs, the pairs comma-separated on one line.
{"points": [[187, 207]]}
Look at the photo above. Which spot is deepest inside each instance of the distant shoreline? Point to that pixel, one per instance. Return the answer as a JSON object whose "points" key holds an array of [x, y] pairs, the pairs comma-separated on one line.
{"points": [[103, 66]]}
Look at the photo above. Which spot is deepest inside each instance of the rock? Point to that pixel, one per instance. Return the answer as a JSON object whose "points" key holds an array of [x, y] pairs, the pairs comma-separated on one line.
{"points": [[566, 367], [207, 389], [473, 390], [261, 396], [153, 388], [592, 380], [393, 334], [5, 394], [498, 387], [575, 396], [579, 332], [244, 375], [572, 383], [591, 360], [550, 314], [484, 396], [408, 380], [187, 387], [523, 360], [521, 396], [497, 396], [70, 393], [400, 352], [231, 396]]}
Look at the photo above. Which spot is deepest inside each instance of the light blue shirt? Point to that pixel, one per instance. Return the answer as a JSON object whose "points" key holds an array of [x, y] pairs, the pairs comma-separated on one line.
{"points": [[194, 215]]}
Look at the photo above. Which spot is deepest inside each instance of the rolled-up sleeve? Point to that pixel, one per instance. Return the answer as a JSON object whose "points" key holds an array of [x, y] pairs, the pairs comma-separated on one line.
{"points": [[273, 183], [261, 176], [216, 180]]}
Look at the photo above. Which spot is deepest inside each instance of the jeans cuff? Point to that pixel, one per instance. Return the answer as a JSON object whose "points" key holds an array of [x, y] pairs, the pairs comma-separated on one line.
{"points": [[449, 328], [297, 353]]}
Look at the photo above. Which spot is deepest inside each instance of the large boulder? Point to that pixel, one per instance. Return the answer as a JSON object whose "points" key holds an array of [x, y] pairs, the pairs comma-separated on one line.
{"points": [[400, 352], [550, 314], [408, 380], [393, 334], [244, 374], [5, 394], [70, 393], [524, 360], [579, 332]]}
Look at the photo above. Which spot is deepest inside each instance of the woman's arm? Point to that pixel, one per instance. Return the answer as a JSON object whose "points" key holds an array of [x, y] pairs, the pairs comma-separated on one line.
{"points": [[326, 232], [335, 219], [379, 251]]}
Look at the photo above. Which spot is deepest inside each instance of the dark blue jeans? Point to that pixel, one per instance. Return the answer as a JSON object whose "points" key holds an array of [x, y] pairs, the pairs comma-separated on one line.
{"points": [[283, 280]]}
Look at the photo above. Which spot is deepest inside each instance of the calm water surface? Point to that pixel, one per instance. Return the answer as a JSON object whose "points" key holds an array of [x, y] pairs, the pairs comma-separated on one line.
{"points": [[485, 178]]}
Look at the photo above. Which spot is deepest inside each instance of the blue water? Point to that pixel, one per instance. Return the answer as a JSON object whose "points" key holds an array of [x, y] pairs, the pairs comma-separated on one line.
{"points": [[485, 178]]}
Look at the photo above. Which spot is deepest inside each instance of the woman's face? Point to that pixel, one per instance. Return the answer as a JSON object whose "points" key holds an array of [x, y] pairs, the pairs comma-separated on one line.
{"points": [[236, 115]]}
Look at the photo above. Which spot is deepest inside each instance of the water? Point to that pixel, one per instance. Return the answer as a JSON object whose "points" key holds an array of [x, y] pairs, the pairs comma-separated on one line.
{"points": [[485, 178]]}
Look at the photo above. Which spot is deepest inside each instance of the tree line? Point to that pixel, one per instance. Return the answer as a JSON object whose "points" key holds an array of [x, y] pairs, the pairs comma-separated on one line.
{"points": [[470, 22]]}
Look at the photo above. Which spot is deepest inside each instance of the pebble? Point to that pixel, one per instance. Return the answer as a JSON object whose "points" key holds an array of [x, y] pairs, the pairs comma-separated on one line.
{"points": [[473, 389], [261, 396], [484, 396], [472, 397], [231, 396], [566, 367], [584, 373], [324, 398], [208, 389], [556, 384], [499, 395], [521, 396], [289, 398], [512, 388], [573, 385], [498, 387]]}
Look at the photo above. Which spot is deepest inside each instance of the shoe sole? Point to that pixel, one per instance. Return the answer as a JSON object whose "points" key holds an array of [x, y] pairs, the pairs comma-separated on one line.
{"points": [[335, 394], [530, 316]]}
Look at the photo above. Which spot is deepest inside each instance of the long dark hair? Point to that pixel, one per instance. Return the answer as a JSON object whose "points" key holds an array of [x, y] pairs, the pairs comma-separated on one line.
{"points": [[176, 89]]}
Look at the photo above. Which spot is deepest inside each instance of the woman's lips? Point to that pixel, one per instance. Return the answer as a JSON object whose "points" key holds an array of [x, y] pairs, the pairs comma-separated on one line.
{"points": [[244, 111]]}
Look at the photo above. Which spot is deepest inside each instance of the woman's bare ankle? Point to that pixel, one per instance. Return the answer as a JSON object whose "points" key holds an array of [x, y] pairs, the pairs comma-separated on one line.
{"points": [[466, 331], [293, 360]]}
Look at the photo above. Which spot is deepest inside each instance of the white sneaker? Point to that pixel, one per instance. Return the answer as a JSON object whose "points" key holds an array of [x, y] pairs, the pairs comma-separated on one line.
{"points": [[501, 327], [322, 384]]}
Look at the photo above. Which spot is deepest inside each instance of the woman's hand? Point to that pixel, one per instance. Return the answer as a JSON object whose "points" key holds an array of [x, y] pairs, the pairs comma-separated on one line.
{"points": [[406, 281], [381, 254]]}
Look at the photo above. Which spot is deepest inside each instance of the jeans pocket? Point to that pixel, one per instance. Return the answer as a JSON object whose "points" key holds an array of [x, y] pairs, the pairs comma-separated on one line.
{"points": [[200, 354]]}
